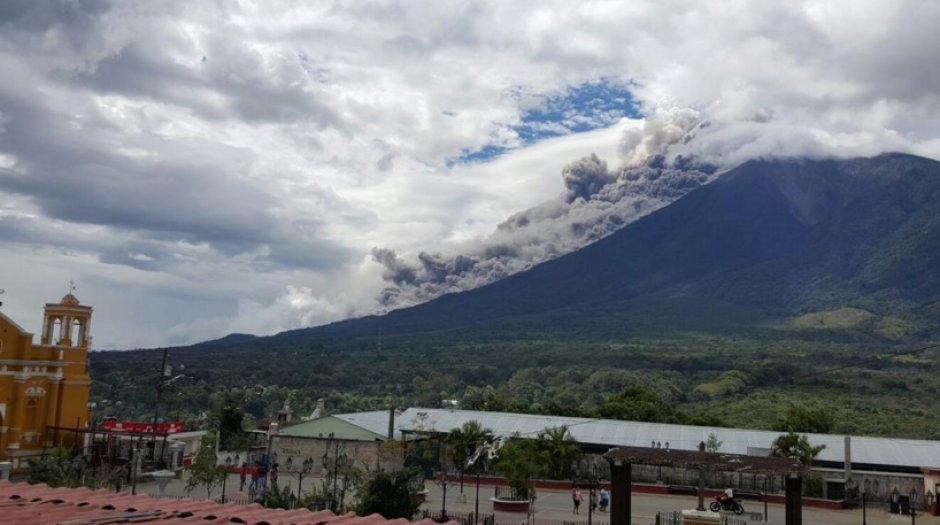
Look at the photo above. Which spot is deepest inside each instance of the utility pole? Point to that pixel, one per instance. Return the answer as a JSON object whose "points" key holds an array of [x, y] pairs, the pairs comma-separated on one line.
{"points": [[156, 407]]}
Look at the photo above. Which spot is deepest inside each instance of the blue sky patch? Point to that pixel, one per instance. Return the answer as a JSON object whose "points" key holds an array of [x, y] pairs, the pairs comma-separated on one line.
{"points": [[582, 108]]}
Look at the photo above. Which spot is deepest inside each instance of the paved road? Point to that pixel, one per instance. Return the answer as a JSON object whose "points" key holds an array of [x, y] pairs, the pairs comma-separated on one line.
{"points": [[554, 507]]}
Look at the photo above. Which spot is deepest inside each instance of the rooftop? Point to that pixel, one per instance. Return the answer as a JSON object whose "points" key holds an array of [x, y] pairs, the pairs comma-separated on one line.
{"points": [[332, 426], [25, 504], [907, 453]]}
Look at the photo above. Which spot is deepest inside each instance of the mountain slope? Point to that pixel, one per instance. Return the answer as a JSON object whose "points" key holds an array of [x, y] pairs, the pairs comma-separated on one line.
{"points": [[779, 238]]}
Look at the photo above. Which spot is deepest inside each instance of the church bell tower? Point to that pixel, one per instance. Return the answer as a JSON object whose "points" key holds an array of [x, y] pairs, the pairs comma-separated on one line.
{"points": [[67, 323]]}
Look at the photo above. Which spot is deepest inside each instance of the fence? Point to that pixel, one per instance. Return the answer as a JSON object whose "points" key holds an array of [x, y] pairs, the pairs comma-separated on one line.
{"points": [[737, 481], [462, 518], [510, 494], [675, 518]]}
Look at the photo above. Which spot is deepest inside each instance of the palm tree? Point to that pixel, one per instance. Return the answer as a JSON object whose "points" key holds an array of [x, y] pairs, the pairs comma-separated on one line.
{"points": [[796, 446], [464, 442], [562, 449]]}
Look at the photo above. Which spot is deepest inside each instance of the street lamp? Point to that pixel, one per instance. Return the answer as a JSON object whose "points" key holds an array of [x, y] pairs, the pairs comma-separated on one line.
{"points": [[305, 467], [912, 497], [442, 482], [228, 465], [593, 479], [869, 488], [476, 462], [333, 466]]}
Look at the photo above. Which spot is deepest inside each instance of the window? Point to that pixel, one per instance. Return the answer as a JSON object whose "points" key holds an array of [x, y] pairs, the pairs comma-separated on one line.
{"points": [[31, 418]]}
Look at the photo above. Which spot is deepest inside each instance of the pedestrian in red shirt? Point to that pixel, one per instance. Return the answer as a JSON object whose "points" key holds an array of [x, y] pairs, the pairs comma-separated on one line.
{"points": [[255, 478], [242, 475]]}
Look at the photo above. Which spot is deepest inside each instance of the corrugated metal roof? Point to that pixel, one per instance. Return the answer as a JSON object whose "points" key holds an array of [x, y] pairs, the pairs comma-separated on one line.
{"points": [[868, 450], [376, 422], [339, 428], [40, 504]]}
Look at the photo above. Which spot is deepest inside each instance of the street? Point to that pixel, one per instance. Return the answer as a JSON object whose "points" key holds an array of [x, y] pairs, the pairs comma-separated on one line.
{"points": [[554, 507]]}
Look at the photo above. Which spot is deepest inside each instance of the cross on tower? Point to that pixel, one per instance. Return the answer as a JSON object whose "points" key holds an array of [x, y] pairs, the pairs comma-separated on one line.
{"points": [[72, 287]]}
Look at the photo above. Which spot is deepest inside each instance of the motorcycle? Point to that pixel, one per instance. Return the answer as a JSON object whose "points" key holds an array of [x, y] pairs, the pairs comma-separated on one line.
{"points": [[728, 504]]}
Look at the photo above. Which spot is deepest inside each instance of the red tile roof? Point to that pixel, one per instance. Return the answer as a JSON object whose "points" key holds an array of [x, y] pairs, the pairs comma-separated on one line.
{"points": [[24, 504]]}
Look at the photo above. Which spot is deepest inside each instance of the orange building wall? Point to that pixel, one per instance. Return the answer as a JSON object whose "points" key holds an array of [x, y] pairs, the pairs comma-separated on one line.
{"points": [[42, 386]]}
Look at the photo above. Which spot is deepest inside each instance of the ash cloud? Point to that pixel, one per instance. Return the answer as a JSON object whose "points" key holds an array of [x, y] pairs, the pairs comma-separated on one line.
{"points": [[595, 203]]}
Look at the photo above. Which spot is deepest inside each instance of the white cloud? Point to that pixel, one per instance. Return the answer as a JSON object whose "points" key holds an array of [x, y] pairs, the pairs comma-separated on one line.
{"points": [[235, 162]]}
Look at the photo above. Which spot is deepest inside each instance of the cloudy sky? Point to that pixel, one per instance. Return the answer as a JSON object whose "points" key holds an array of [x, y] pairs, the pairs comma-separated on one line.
{"points": [[201, 168]]}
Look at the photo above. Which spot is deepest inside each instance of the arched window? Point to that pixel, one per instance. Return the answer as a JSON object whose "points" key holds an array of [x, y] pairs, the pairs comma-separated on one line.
{"points": [[31, 417], [78, 333], [57, 331]]}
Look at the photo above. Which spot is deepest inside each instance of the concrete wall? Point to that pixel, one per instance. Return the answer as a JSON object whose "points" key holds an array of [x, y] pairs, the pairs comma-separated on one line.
{"points": [[363, 453]]}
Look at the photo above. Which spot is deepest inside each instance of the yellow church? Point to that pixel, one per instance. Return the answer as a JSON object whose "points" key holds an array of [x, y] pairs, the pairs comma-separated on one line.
{"points": [[44, 388]]}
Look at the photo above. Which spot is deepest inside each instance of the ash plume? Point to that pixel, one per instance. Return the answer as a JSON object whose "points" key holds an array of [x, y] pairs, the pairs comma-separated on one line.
{"points": [[596, 202]]}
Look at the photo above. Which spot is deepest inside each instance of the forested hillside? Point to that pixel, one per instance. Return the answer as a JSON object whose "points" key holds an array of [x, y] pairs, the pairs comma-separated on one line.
{"points": [[726, 306]]}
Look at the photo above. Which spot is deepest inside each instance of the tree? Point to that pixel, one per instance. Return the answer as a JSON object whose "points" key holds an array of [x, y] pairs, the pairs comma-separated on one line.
{"points": [[520, 461], [638, 404], [562, 450], [464, 441], [796, 446], [205, 472], [228, 421], [713, 445], [64, 468], [389, 494], [803, 418]]}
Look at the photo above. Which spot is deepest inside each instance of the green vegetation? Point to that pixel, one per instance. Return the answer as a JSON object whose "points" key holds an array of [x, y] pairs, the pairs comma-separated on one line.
{"points": [[67, 468], [748, 380], [796, 446], [562, 450], [803, 418], [390, 494], [229, 422], [277, 497], [713, 444], [204, 472], [463, 444], [522, 460]]}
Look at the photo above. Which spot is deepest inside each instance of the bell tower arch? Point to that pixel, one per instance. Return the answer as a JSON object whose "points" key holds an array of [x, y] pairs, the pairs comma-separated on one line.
{"points": [[67, 323]]}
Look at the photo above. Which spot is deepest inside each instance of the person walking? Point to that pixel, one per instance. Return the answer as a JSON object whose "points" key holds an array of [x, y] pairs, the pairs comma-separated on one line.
{"points": [[576, 499], [263, 475], [605, 500], [595, 500], [242, 476], [255, 476]]}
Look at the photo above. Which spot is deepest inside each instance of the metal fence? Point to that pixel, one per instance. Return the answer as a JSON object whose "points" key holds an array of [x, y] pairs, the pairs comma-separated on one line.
{"points": [[462, 518], [510, 494], [684, 477], [675, 518]]}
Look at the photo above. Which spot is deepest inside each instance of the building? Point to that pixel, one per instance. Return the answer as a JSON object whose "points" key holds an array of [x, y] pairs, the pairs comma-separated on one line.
{"points": [[361, 437], [44, 387], [896, 463]]}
